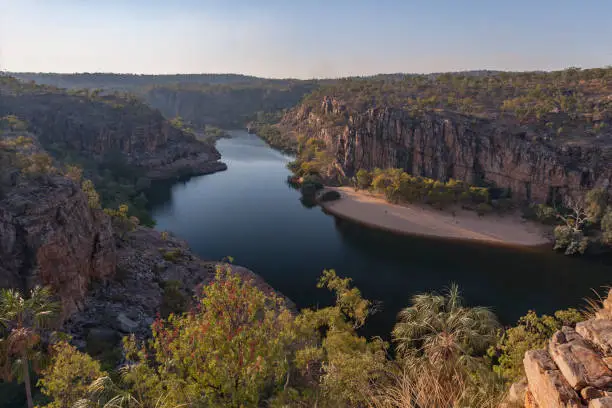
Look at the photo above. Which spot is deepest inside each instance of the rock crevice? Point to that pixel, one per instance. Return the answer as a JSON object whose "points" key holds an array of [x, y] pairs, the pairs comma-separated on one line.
{"points": [[575, 371], [445, 145]]}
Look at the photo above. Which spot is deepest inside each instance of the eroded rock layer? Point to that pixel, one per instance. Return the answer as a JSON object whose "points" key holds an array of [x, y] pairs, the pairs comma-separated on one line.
{"points": [[443, 145]]}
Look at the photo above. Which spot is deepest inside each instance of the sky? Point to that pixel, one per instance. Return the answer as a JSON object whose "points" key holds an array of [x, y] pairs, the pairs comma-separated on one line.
{"points": [[303, 38]]}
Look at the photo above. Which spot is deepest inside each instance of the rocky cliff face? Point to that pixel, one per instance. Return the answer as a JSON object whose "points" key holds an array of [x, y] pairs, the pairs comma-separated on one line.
{"points": [[50, 236], [226, 106], [445, 145], [576, 369], [94, 126]]}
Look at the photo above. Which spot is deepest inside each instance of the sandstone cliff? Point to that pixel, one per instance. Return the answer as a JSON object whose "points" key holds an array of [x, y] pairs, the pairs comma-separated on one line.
{"points": [[109, 282], [48, 233], [95, 125], [576, 369], [443, 145]]}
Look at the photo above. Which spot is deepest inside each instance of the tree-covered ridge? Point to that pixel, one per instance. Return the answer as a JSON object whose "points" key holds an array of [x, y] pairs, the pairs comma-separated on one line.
{"points": [[131, 81], [225, 105], [556, 104]]}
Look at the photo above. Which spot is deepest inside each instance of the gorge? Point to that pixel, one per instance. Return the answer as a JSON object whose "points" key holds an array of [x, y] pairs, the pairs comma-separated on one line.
{"points": [[112, 276], [259, 221]]}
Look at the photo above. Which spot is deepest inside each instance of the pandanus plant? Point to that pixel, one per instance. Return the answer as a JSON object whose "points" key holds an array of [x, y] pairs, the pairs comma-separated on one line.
{"points": [[22, 320]]}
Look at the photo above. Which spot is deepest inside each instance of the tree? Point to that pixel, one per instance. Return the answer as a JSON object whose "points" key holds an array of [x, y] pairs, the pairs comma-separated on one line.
{"points": [[341, 364], [596, 203], [93, 198], [23, 320], [230, 351], [577, 214], [364, 179], [441, 328], [68, 377]]}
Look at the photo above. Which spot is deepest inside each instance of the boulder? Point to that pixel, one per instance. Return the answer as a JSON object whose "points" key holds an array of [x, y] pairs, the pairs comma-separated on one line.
{"points": [[546, 383], [126, 324], [579, 363], [598, 332], [516, 394]]}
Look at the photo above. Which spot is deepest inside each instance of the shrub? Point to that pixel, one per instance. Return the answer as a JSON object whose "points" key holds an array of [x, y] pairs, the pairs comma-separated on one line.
{"points": [[569, 240], [483, 208], [68, 376], [173, 300], [545, 214], [364, 179], [230, 351], [329, 195], [531, 332], [172, 255]]}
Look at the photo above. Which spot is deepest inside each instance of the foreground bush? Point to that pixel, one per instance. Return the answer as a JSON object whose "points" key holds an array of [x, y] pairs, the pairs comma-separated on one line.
{"points": [[241, 347]]}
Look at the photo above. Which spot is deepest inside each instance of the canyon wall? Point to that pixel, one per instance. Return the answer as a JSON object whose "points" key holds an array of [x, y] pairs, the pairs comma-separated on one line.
{"points": [[443, 145], [227, 106], [102, 125], [49, 235]]}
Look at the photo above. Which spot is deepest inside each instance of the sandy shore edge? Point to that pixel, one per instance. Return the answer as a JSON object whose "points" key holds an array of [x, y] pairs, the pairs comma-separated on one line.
{"points": [[375, 212]]}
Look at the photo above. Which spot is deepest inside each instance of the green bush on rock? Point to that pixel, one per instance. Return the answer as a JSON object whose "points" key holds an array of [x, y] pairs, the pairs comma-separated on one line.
{"points": [[329, 195]]}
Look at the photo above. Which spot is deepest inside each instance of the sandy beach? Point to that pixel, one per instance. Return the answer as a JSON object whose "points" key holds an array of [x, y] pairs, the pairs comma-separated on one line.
{"points": [[367, 209]]}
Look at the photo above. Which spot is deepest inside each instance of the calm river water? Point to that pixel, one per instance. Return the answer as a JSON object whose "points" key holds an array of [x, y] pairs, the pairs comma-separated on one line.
{"points": [[250, 213]]}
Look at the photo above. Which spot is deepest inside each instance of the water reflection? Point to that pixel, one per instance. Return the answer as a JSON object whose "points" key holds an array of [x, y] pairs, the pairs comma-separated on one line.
{"points": [[250, 213]]}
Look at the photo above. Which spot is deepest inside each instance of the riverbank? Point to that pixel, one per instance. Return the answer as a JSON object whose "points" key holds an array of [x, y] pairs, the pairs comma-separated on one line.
{"points": [[375, 212]]}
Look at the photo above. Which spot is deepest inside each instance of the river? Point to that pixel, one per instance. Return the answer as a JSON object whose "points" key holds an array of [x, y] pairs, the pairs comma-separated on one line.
{"points": [[250, 213]]}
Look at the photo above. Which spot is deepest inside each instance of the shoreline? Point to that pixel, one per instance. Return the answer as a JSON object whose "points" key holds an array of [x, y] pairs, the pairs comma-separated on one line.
{"points": [[409, 219]]}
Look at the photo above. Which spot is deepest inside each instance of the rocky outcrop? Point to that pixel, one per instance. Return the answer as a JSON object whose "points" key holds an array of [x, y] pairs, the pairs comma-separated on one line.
{"points": [[443, 145], [50, 236], [96, 126], [575, 371], [147, 261]]}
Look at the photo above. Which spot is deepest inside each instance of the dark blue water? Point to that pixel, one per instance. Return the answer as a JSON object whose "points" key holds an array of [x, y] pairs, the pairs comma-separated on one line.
{"points": [[250, 213]]}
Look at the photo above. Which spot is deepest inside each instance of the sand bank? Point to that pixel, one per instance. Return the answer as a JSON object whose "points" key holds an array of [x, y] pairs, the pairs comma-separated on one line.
{"points": [[375, 212]]}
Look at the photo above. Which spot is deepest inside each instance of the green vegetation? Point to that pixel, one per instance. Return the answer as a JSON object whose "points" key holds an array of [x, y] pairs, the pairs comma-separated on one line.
{"points": [[266, 126], [567, 104], [172, 255], [122, 223], [114, 180], [330, 195], [173, 299], [241, 347], [313, 160], [531, 332], [68, 376], [229, 105], [22, 321], [584, 223], [399, 186]]}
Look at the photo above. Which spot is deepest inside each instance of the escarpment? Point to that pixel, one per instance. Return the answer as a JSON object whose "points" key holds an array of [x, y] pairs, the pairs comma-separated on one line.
{"points": [[49, 235], [444, 145], [95, 125]]}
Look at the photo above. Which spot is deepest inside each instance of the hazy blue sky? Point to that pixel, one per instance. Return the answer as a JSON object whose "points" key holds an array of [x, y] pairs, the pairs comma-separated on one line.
{"points": [[309, 38]]}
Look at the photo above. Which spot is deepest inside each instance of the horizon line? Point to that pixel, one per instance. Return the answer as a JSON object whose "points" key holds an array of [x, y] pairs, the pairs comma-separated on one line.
{"points": [[304, 79]]}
